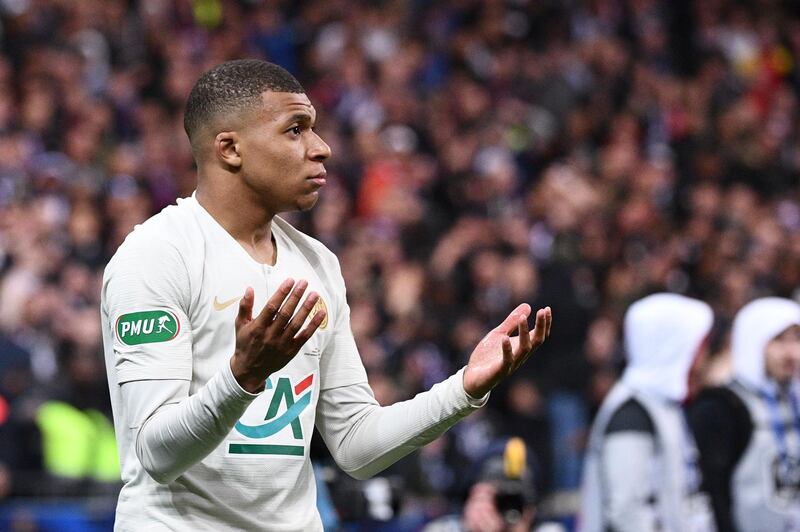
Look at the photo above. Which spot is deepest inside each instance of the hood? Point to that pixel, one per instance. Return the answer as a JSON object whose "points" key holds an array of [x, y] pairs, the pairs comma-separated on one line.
{"points": [[754, 326], [662, 335]]}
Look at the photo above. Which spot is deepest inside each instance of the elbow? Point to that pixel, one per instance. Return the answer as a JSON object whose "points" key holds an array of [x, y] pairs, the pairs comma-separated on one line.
{"points": [[365, 468], [357, 466], [161, 477], [161, 473], [360, 473]]}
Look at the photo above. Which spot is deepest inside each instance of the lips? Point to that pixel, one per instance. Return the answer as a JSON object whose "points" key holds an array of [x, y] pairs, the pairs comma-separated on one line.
{"points": [[319, 179]]}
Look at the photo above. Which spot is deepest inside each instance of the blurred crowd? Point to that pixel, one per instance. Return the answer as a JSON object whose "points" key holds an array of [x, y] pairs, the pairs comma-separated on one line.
{"points": [[577, 154]]}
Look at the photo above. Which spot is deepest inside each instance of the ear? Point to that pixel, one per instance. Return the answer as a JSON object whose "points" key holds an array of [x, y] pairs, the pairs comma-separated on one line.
{"points": [[227, 148]]}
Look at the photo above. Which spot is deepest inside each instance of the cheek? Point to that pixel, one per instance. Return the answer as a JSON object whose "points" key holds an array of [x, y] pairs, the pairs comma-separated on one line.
{"points": [[780, 361], [266, 165]]}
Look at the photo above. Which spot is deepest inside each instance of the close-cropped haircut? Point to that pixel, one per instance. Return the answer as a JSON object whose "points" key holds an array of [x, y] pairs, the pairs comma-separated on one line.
{"points": [[232, 87]]}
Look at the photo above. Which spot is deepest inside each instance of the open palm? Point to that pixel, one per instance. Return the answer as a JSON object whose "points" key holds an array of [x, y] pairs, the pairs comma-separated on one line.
{"points": [[499, 354]]}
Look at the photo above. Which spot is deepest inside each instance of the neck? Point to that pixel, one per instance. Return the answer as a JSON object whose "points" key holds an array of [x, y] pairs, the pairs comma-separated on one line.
{"points": [[238, 212]]}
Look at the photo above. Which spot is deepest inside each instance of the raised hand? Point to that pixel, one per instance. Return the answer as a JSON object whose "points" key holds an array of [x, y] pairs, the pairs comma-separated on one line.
{"points": [[267, 343], [499, 355]]}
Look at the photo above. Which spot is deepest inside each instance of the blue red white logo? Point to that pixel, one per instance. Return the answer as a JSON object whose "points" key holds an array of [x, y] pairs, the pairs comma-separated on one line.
{"points": [[287, 403]]}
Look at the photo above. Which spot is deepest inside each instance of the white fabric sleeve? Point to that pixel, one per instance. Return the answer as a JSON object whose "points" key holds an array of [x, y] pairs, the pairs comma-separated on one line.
{"points": [[340, 363], [627, 464], [172, 430], [147, 280], [365, 438]]}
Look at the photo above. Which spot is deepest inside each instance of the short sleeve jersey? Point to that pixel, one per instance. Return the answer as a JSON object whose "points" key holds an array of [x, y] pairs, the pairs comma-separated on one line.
{"points": [[169, 301]]}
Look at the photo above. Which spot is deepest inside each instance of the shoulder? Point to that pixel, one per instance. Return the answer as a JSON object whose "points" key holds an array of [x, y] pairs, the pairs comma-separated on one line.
{"points": [[159, 256], [630, 417], [719, 408], [167, 236], [719, 402]]}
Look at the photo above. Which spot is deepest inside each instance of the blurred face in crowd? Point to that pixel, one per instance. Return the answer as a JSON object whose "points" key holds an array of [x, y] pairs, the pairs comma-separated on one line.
{"points": [[782, 355], [278, 154], [481, 512]]}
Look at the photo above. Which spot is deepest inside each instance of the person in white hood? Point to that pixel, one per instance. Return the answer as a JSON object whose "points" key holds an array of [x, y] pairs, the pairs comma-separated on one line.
{"points": [[641, 472], [748, 432]]}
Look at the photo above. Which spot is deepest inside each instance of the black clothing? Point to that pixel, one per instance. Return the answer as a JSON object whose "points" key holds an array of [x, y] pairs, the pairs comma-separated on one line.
{"points": [[722, 428], [631, 416]]}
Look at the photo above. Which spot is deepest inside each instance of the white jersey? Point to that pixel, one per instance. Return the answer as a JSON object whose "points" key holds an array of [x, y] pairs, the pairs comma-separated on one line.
{"points": [[169, 302]]}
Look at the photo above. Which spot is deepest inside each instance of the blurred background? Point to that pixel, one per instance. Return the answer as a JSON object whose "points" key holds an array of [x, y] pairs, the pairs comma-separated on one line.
{"points": [[577, 154]]}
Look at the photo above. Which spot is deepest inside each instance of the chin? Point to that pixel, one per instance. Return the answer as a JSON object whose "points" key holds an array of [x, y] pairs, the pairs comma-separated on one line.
{"points": [[307, 203]]}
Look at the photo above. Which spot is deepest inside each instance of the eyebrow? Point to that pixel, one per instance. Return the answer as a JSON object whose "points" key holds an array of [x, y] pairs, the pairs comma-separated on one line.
{"points": [[303, 118]]}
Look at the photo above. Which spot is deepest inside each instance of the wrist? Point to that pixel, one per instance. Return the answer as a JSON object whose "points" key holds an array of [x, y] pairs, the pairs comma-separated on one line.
{"points": [[475, 401], [472, 390], [250, 383]]}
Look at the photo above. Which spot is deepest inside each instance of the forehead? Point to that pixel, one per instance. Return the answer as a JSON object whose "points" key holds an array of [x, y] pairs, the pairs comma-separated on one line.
{"points": [[791, 333], [278, 105]]}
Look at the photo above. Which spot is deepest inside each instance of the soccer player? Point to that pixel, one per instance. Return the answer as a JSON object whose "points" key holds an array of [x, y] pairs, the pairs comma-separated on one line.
{"points": [[641, 472], [748, 431], [227, 336]]}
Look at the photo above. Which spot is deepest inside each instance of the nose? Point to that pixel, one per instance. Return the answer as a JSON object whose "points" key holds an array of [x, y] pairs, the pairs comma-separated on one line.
{"points": [[319, 150]]}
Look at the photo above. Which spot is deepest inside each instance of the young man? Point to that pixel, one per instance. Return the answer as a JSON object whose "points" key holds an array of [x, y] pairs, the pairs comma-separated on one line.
{"points": [[641, 472], [748, 432], [214, 408]]}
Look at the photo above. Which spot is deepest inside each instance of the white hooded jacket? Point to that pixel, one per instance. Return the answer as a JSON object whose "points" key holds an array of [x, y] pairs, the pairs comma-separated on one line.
{"points": [[763, 500], [663, 334]]}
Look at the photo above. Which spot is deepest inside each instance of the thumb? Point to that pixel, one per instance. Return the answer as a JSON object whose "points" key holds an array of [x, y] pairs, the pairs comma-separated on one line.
{"points": [[510, 324], [245, 314]]}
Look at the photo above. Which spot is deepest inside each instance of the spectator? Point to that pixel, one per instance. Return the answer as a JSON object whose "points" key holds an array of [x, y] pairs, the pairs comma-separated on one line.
{"points": [[747, 431], [642, 471], [503, 495]]}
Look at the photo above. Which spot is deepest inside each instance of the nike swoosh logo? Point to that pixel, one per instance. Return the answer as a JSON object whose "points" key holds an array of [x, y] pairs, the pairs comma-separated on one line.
{"points": [[225, 304]]}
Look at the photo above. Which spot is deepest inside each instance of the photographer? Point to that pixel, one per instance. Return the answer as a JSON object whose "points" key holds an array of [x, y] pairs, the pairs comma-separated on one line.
{"points": [[503, 498]]}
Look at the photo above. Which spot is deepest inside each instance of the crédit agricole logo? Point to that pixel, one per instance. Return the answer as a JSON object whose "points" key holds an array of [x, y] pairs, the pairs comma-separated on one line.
{"points": [[281, 432]]}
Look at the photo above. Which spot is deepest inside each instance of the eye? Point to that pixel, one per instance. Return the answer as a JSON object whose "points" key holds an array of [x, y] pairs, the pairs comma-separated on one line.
{"points": [[295, 130]]}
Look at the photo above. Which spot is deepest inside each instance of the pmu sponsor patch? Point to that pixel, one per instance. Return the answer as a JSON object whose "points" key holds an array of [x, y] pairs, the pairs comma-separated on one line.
{"points": [[147, 327]]}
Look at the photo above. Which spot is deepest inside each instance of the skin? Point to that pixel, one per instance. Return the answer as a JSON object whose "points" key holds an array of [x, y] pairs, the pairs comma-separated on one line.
{"points": [[481, 515], [256, 164], [782, 356]]}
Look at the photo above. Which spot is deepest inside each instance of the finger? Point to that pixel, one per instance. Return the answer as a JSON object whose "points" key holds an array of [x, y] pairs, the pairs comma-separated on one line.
{"points": [[300, 318], [245, 314], [508, 353], [287, 309], [525, 344], [539, 332], [509, 324], [549, 320], [303, 336], [274, 303]]}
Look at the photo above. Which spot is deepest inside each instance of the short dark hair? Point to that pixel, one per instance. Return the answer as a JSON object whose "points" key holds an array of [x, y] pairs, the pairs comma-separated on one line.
{"points": [[231, 87]]}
